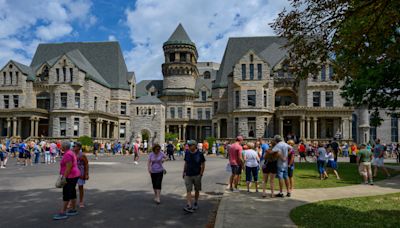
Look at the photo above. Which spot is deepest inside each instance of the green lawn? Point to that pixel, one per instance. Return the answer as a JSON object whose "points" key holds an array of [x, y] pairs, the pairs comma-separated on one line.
{"points": [[306, 176], [373, 211]]}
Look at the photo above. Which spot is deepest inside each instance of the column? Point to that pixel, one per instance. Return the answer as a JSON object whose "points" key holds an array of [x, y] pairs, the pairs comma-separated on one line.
{"points": [[195, 132], [281, 126], [14, 133], [308, 128], [343, 128], [302, 128], [116, 130], [218, 130], [37, 127], [179, 132], [184, 133], [19, 127], [32, 127], [167, 128], [315, 119], [108, 129], [349, 122], [97, 128], [8, 127], [101, 129]]}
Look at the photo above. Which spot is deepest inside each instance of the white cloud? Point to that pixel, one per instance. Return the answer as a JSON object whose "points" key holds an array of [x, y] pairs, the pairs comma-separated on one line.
{"points": [[209, 24], [112, 38], [31, 22]]}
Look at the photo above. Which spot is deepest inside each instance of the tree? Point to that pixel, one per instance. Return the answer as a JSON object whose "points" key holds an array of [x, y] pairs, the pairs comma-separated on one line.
{"points": [[360, 38]]}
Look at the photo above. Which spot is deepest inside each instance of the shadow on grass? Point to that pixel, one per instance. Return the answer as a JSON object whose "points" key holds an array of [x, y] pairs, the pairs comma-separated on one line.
{"points": [[118, 208]]}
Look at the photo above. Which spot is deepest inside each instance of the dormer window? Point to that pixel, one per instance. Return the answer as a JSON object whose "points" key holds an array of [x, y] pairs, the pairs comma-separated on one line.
{"points": [[10, 66], [207, 75], [251, 58], [204, 95]]}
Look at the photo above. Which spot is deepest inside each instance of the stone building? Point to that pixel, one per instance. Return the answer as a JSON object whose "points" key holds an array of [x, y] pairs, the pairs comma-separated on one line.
{"points": [[69, 90]]}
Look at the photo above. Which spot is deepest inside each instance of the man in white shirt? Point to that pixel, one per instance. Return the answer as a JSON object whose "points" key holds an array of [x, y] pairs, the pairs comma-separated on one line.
{"points": [[282, 174]]}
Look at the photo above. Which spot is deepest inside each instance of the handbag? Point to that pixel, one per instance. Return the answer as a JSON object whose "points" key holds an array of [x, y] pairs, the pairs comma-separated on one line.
{"points": [[164, 171], [61, 181]]}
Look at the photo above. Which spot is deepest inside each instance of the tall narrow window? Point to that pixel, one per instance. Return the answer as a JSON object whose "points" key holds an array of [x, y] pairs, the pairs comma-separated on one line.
{"points": [[323, 73], [204, 95], [16, 101], [372, 132], [189, 113], [71, 74], [316, 99], [330, 72], [107, 106], [395, 128], [237, 99], [208, 114], [251, 125], [95, 103], [172, 112], [63, 126], [6, 101], [199, 114], [64, 73], [16, 77], [265, 98], [251, 58], [76, 126], [64, 100], [123, 108], [180, 113], [4, 78], [122, 130], [58, 74], [243, 71], [11, 78], [259, 71], [172, 57], [182, 57], [251, 71], [215, 107], [251, 98], [236, 126], [329, 99], [77, 100]]}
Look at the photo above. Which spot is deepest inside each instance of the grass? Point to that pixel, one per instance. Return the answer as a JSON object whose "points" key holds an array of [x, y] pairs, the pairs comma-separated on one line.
{"points": [[306, 176], [373, 211]]}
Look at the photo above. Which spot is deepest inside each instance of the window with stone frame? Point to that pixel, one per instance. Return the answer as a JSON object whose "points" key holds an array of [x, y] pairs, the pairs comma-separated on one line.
{"points": [[215, 106], [123, 108], [316, 99], [6, 101], [16, 101], [259, 71], [63, 126], [11, 77], [4, 78], [95, 103], [71, 74], [251, 72], [107, 106], [251, 124], [182, 57], [243, 71], [251, 98], [199, 113], [265, 98], [323, 73], [16, 77], [77, 100], [208, 114], [58, 74], [329, 98], [204, 95], [64, 100], [189, 113], [180, 112], [372, 132], [172, 112], [394, 128], [172, 57], [122, 130], [330, 75], [207, 75], [237, 99], [64, 73], [76, 126]]}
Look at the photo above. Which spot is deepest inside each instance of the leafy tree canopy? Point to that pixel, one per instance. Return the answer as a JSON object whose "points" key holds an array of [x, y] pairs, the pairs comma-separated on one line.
{"points": [[360, 38]]}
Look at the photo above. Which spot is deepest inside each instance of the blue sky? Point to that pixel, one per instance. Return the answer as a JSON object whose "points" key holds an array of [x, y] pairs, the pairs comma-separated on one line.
{"points": [[141, 26]]}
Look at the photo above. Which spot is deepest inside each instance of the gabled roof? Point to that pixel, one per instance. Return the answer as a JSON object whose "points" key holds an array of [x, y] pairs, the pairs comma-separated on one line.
{"points": [[143, 86], [105, 57], [179, 36], [24, 69], [147, 100], [265, 47], [200, 82]]}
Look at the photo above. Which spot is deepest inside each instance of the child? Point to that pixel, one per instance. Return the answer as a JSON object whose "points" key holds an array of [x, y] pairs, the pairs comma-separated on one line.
{"points": [[83, 166], [291, 164], [332, 163]]}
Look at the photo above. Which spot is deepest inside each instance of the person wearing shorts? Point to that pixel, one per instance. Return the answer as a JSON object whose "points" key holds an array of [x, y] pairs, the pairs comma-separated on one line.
{"points": [[83, 166], [282, 149], [2, 156], [192, 173], [290, 160], [364, 158], [269, 169], [378, 161], [235, 160]]}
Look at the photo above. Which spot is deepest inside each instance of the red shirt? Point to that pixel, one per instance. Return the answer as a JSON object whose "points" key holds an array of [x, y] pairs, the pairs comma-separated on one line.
{"points": [[302, 148], [235, 153]]}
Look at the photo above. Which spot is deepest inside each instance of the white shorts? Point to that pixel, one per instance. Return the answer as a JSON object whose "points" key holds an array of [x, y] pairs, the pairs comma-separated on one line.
{"points": [[81, 182], [378, 162]]}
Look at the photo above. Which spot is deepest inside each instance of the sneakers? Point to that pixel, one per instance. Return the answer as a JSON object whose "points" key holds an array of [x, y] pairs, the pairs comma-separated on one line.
{"points": [[280, 195], [288, 194], [136, 163], [81, 205], [60, 216], [2, 167], [188, 209], [72, 212], [195, 206]]}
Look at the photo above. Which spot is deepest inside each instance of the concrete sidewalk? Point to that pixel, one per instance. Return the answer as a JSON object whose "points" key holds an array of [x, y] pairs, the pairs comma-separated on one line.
{"points": [[251, 210]]}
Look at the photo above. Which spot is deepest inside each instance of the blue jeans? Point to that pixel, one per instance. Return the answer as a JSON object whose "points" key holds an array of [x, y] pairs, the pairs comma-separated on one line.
{"points": [[321, 166], [37, 158], [47, 157]]}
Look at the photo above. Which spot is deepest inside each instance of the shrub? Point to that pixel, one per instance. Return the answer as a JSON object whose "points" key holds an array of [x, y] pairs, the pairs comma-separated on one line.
{"points": [[171, 137], [85, 140]]}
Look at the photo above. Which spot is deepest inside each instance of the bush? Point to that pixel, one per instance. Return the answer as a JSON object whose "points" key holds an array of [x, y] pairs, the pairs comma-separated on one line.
{"points": [[85, 140], [171, 137], [211, 141]]}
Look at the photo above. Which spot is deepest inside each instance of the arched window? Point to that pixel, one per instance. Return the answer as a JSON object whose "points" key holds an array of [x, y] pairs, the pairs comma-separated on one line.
{"points": [[207, 75]]}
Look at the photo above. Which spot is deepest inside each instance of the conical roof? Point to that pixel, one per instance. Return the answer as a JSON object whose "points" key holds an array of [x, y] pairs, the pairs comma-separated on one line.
{"points": [[179, 36]]}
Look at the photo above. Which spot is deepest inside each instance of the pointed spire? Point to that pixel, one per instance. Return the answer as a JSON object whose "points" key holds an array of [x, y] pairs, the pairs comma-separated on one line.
{"points": [[179, 36]]}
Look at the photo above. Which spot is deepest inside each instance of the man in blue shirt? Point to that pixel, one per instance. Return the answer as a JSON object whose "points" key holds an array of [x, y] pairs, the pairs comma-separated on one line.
{"points": [[379, 153], [264, 148], [192, 173]]}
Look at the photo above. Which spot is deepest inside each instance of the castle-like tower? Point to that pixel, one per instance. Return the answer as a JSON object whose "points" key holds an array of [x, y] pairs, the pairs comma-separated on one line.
{"points": [[179, 70]]}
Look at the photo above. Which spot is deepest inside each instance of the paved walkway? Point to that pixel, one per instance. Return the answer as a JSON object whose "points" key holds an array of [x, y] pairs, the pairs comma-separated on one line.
{"points": [[251, 211]]}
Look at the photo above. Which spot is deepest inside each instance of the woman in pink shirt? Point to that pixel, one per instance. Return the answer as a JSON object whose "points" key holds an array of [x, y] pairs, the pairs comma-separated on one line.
{"points": [[69, 170]]}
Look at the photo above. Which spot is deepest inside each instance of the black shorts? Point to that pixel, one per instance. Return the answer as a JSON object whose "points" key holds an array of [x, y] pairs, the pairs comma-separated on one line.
{"points": [[28, 155], [271, 167], [290, 171], [69, 189], [21, 155], [156, 180], [302, 155], [2, 156], [236, 169]]}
